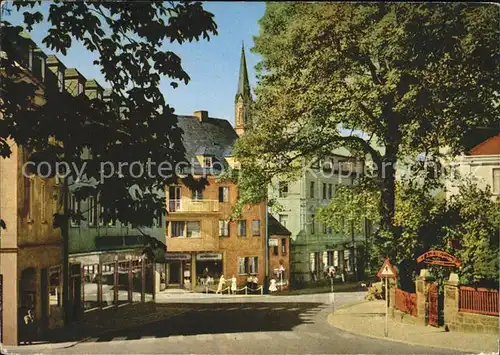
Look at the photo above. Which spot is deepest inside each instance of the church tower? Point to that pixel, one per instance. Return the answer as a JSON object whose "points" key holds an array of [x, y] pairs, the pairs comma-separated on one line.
{"points": [[243, 98]]}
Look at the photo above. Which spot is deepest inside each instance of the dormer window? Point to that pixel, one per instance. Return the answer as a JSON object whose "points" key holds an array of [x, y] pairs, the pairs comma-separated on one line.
{"points": [[42, 67], [30, 59], [60, 81], [80, 88], [207, 162]]}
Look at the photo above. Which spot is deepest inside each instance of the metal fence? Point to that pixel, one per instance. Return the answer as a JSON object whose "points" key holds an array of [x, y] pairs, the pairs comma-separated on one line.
{"points": [[480, 300]]}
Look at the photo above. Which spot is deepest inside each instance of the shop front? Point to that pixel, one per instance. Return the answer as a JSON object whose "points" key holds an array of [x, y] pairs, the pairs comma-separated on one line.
{"points": [[178, 270], [209, 268]]}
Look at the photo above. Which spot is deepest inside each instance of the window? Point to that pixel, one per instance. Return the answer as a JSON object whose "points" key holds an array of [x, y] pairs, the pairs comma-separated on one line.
{"points": [[312, 225], [60, 80], [223, 194], [80, 88], [193, 229], [92, 211], [224, 228], [282, 189], [207, 162], [43, 197], [159, 219], [254, 265], [330, 191], [55, 288], [101, 216], [197, 194], [31, 197], [242, 266], [42, 68], [242, 228], [311, 189], [324, 191], [283, 246], [275, 250], [74, 207], [496, 181], [30, 59], [177, 229], [283, 218], [256, 227]]}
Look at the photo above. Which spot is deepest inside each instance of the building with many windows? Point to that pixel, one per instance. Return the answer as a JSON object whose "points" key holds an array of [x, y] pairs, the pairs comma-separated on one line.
{"points": [[314, 246]]}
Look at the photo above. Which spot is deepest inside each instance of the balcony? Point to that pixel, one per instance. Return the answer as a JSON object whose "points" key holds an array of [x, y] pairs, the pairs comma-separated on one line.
{"points": [[196, 206]]}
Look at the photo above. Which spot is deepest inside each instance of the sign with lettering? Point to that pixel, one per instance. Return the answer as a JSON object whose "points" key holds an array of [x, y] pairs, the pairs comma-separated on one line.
{"points": [[208, 256], [387, 270], [177, 256], [437, 257], [273, 242]]}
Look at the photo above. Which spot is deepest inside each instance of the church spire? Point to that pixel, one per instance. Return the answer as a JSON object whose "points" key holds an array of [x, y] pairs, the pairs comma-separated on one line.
{"points": [[243, 83]]}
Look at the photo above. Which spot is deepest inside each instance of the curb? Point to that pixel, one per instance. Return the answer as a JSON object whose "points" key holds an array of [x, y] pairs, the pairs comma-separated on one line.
{"points": [[331, 315]]}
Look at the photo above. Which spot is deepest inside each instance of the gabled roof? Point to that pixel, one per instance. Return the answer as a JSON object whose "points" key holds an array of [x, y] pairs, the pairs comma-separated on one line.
{"points": [[213, 137], [478, 136], [276, 228], [490, 146]]}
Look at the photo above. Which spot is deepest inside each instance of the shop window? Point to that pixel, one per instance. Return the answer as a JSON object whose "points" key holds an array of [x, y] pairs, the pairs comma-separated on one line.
{"points": [[193, 229], [256, 227], [242, 228], [223, 228], [177, 229], [55, 291], [223, 194]]}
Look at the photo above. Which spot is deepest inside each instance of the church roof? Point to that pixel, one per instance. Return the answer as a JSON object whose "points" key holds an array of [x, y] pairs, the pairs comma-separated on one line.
{"points": [[243, 83]]}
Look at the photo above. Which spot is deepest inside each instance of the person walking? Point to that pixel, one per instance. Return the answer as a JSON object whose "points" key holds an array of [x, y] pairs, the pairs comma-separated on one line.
{"points": [[29, 323], [234, 286], [222, 281]]}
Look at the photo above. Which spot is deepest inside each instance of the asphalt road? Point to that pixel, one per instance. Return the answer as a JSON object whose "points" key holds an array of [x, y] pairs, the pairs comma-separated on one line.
{"points": [[241, 328]]}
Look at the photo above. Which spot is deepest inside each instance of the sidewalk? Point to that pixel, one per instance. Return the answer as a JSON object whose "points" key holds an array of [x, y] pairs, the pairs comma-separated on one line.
{"points": [[367, 318]]}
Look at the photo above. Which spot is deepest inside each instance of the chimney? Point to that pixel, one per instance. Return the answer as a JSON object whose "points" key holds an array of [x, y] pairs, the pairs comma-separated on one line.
{"points": [[202, 115]]}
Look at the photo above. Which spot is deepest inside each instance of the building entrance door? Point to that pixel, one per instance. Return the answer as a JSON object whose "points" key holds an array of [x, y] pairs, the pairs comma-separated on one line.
{"points": [[174, 275]]}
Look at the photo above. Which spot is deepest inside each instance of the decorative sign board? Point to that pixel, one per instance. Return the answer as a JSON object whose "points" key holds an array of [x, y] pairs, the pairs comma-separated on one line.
{"points": [[387, 270], [437, 257], [209, 256], [177, 256]]}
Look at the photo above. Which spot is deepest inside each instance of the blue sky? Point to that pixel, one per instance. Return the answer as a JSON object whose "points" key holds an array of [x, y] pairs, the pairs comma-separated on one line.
{"points": [[213, 66]]}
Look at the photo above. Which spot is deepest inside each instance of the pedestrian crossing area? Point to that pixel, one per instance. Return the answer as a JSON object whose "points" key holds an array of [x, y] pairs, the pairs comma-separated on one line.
{"points": [[270, 308], [251, 336]]}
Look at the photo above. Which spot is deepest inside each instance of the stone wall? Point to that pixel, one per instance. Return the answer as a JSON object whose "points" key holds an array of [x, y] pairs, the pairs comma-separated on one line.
{"points": [[464, 321]]}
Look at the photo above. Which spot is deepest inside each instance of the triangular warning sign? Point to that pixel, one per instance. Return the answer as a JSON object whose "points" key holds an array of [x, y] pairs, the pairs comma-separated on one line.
{"points": [[387, 270]]}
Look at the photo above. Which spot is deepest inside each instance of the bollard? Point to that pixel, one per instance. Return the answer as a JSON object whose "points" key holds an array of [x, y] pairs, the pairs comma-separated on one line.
{"points": [[261, 290], [246, 290]]}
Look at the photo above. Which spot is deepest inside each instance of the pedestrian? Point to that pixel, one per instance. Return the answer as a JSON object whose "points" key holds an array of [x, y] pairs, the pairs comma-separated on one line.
{"points": [[205, 275], [249, 282], [222, 281], [272, 287], [255, 281], [29, 322], [233, 285]]}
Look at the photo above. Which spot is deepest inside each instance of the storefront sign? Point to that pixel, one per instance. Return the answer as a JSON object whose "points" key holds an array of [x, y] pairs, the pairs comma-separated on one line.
{"points": [[273, 242], [209, 256], [437, 257], [177, 256]]}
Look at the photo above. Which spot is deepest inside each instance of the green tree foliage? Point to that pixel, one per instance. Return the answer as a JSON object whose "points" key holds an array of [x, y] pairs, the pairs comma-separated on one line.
{"points": [[411, 77], [131, 41]]}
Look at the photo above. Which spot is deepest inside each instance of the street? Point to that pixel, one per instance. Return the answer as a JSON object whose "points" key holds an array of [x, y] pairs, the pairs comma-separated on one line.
{"points": [[295, 324]]}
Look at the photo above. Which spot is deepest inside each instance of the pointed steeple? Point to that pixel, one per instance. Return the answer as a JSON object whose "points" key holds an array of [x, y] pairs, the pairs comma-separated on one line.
{"points": [[243, 83]]}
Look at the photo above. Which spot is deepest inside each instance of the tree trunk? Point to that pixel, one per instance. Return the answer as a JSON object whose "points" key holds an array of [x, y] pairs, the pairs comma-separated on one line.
{"points": [[388, 197]]}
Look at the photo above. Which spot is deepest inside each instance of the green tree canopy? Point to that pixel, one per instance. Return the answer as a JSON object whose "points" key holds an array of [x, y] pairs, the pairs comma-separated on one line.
{"points": [[411, 77]]}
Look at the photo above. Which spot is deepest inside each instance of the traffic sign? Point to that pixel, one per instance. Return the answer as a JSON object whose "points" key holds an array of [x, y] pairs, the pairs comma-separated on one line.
{"points": [[387, 270]]}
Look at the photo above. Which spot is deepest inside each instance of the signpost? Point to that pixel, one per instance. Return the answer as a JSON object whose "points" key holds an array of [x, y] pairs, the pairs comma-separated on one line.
{"points": [[386, 271]]}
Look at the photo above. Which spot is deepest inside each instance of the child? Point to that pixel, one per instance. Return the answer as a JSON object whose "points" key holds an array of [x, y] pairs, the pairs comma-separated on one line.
{"points": [[233, 285], [272, 287]]}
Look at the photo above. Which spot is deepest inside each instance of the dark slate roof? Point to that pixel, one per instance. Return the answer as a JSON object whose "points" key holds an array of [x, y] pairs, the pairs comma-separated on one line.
{"points": [[276, 228], [213, 137]]}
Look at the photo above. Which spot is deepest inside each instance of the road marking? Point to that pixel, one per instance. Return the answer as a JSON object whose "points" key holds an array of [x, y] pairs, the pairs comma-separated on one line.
{"points": [[317, 336], [234, 336], [293, 309], [289, 335], [261, 308], [232, 309], [204, 337], [262, 336], [278, 308], [119, 338], [176, 338]]}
